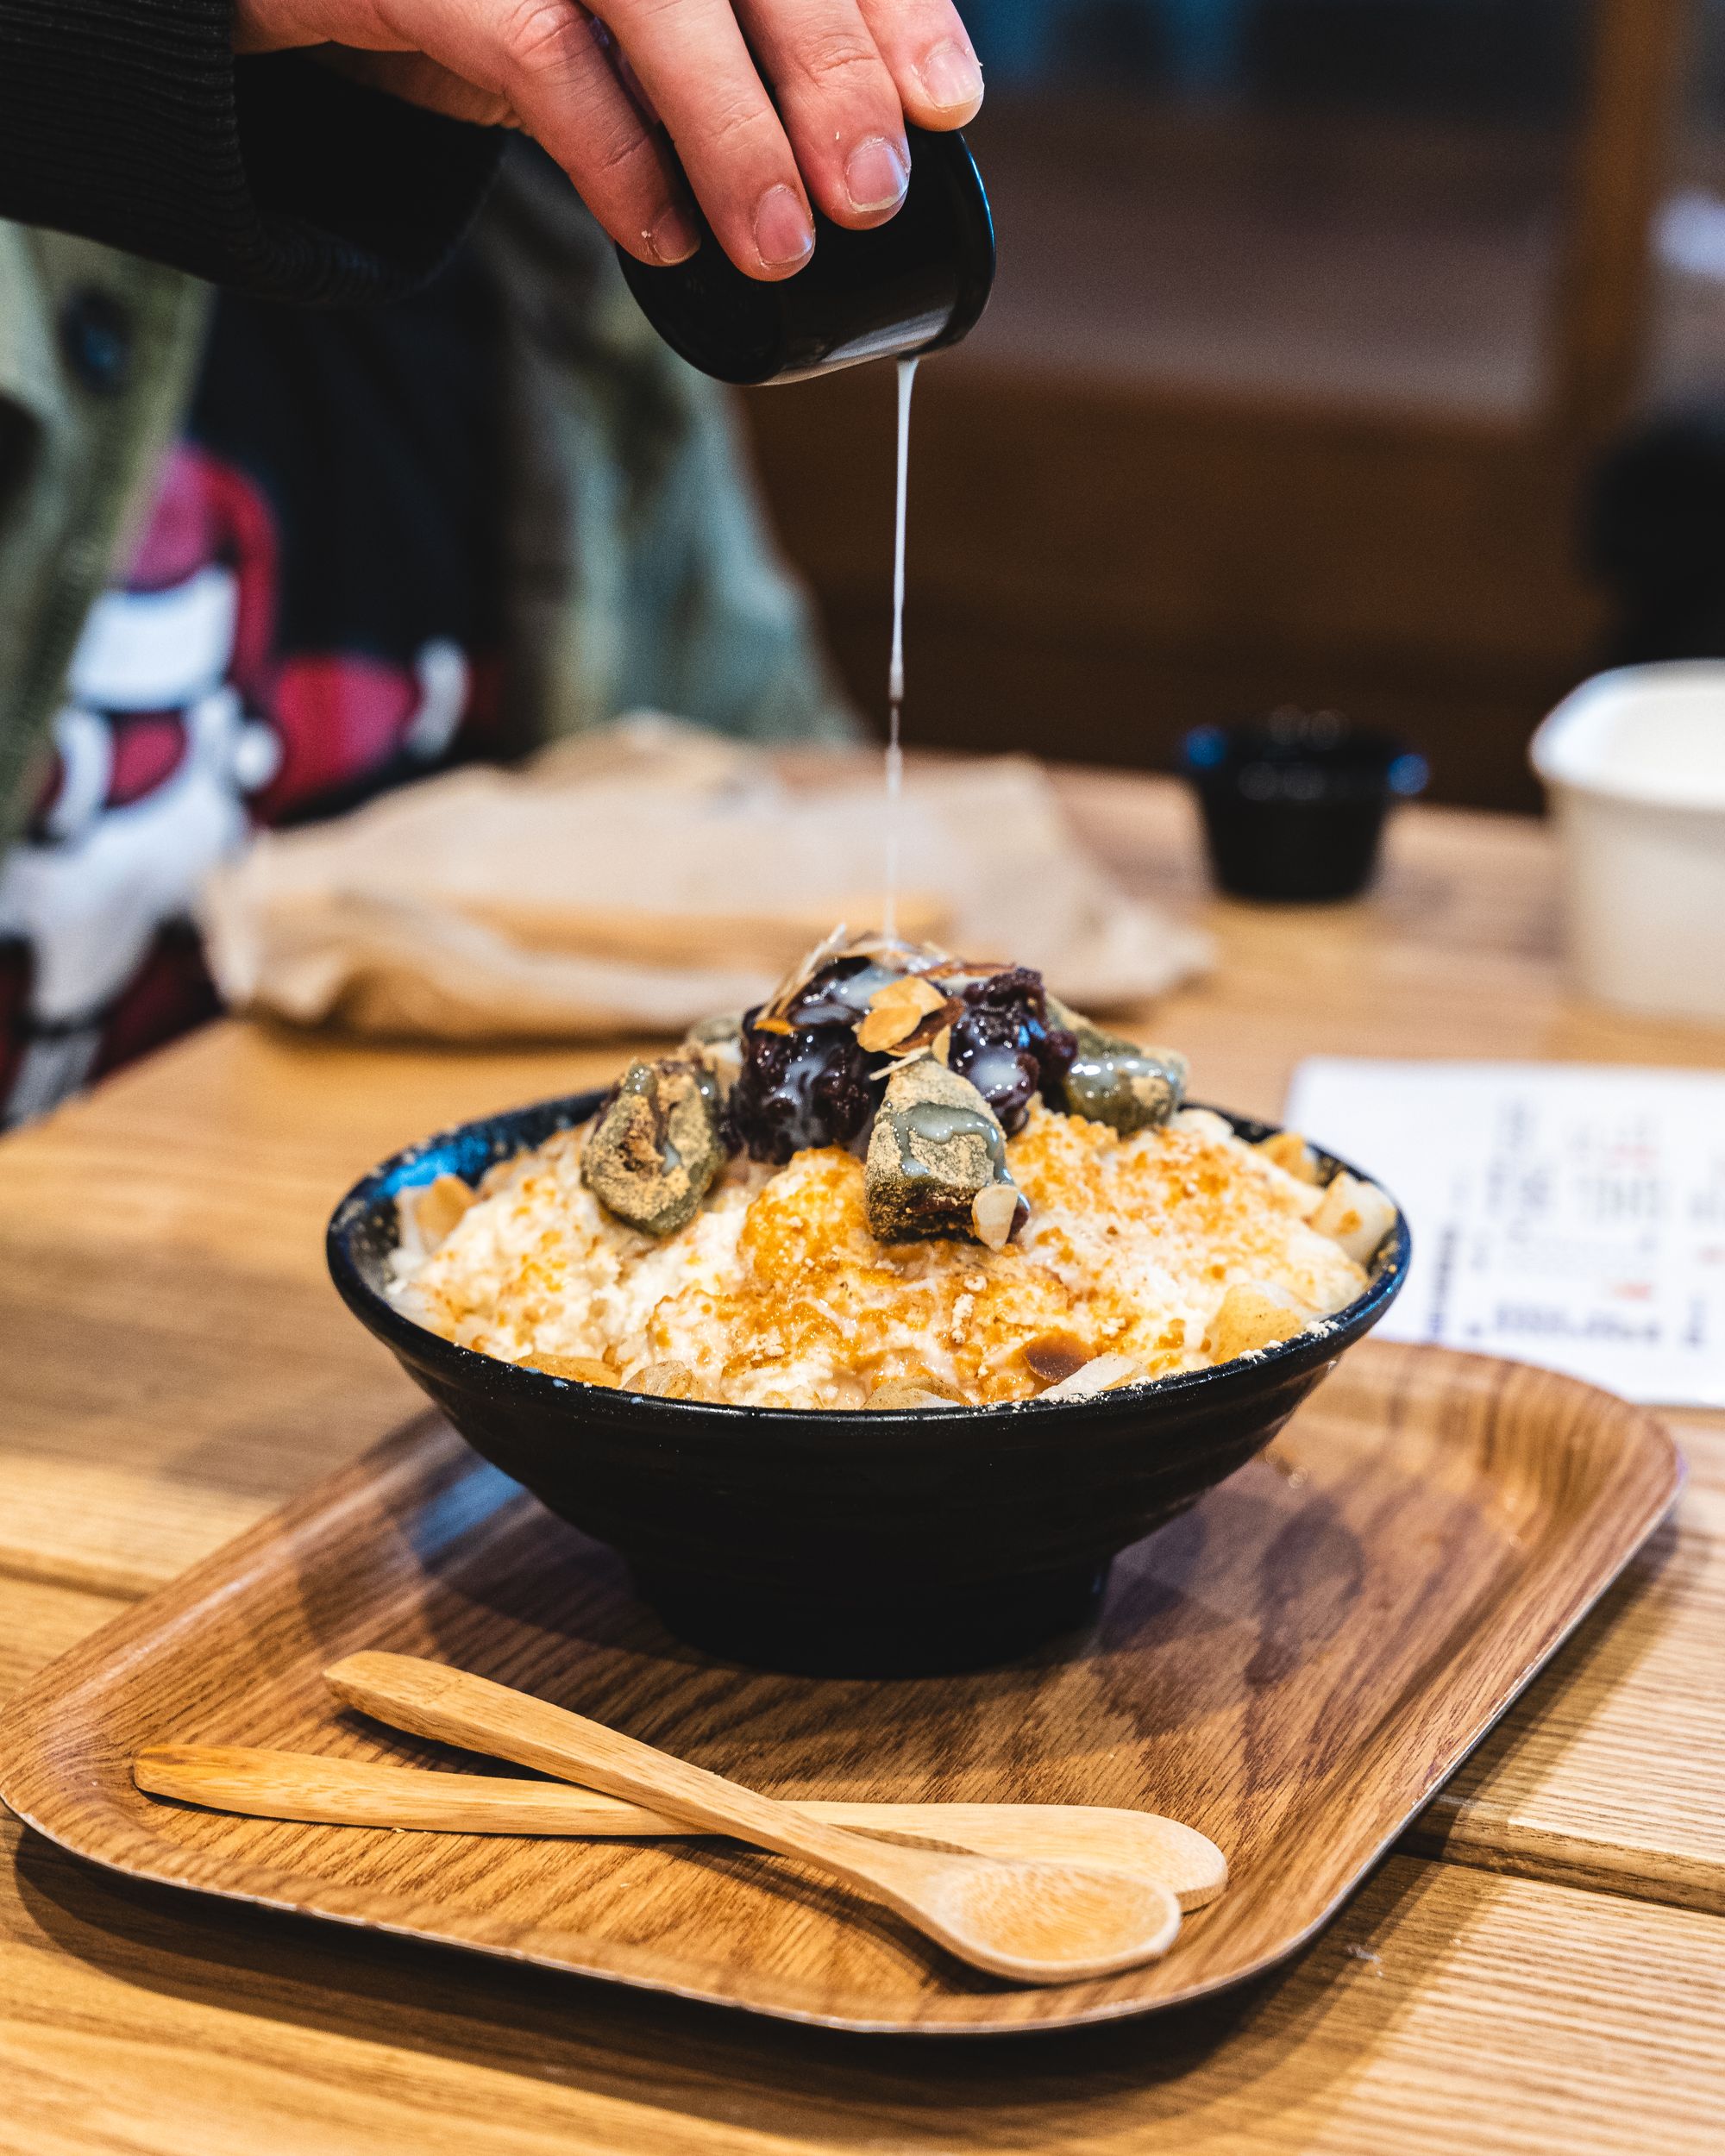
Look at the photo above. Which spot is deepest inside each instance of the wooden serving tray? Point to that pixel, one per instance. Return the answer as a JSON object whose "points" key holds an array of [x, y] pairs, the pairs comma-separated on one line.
{"points": [[1293, 1667]]}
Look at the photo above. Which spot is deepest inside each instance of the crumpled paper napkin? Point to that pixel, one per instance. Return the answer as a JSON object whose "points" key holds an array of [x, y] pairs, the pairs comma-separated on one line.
{"points": [[635, 880]]}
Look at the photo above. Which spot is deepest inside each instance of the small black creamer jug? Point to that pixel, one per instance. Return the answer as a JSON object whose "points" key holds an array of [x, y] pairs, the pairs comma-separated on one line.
{"points": [[908, 286]]}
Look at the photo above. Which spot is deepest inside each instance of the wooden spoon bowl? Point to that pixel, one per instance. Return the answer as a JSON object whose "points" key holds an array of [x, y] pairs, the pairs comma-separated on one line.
{"points": [[1040, 1922]]}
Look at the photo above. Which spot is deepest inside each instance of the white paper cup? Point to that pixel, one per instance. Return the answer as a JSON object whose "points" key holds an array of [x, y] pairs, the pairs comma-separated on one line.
{"points": [[1634, 764]]}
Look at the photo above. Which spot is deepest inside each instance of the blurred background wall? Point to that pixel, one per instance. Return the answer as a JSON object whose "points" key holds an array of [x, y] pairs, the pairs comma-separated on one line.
{"points": [[1314, 319]]}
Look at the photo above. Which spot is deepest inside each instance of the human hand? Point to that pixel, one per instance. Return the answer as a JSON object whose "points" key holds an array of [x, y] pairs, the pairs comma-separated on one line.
{"points": [[594, 90]]}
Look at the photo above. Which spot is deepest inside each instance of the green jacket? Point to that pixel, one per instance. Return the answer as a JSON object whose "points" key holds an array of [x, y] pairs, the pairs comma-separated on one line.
{"points": [[640, 570]]}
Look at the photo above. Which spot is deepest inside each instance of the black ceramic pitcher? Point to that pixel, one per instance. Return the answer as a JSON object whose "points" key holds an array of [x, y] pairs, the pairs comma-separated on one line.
{"points": [[908, 286]]}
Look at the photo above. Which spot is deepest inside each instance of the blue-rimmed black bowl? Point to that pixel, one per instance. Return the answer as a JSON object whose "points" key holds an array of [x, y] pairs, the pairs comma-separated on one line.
{"points": [[854, 1544]]}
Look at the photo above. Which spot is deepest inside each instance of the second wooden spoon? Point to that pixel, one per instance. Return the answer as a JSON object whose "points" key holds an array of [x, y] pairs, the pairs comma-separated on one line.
{"points": [[1042, 1921], [371, 1793]]}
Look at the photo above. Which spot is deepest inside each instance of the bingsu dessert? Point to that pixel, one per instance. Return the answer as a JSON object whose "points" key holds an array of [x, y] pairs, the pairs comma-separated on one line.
{"points": [[908, 1181]]}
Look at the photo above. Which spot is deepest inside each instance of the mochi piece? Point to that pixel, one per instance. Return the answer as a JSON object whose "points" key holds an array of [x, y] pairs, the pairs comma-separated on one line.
{"points": [[1102, 1374], [655, 1146], [1290, 1153], [1356, 1214], [1116, 1081], [1254, 1314], [936, 1145]]}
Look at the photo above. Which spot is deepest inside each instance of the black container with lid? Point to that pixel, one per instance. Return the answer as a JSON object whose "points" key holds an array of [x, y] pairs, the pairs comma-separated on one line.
{"points": [[908, 286], [1294, 804]]}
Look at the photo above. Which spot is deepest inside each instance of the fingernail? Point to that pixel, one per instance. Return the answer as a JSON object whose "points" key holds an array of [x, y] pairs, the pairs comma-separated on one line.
{"points": [[783, 234], [875, 175], [673, 239], [950, 77]]}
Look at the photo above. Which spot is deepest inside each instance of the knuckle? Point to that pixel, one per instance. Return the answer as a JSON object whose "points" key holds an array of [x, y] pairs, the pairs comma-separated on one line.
{"points": [[621, 14], [840, 60], [619, 157], [538, 35], [736, 118]]}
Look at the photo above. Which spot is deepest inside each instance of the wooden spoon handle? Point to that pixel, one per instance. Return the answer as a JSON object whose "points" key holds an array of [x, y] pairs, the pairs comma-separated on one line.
{"points": [[454, 1707], [366, 1793], [263, 1784]]}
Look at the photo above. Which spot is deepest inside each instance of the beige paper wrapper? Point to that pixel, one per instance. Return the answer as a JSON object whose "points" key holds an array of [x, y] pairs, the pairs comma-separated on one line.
{"points": [[636, 880]]}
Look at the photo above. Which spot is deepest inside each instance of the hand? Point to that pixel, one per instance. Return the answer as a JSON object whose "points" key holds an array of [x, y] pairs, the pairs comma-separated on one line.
{"points": [[594, 93]]}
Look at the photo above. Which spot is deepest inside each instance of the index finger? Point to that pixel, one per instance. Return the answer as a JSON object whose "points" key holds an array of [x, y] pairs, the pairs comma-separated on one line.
{"points": [[693, 63], [930, 57]]}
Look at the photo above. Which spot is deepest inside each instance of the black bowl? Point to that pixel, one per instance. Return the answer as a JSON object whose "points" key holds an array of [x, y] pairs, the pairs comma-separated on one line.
{"points": [[834, 1543]]}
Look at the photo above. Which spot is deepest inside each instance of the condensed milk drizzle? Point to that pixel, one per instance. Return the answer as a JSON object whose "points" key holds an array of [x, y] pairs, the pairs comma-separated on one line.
{"points": [[895, 671]]}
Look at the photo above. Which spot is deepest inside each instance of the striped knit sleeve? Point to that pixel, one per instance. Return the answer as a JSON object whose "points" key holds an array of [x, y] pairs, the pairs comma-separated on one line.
{"points": [[130, 122]]}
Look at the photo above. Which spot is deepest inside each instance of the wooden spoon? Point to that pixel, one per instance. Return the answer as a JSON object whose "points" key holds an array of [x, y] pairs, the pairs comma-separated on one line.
{"points": [[1033, 1921], [364, 1793]]}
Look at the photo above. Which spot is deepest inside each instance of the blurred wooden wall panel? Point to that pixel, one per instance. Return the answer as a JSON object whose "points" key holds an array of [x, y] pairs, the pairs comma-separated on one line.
{"points": [[1095, 569], [1266, 408]]}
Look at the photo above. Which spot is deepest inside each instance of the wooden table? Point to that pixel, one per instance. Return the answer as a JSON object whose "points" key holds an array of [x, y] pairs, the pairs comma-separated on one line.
{"points": [[1542, 1967]]}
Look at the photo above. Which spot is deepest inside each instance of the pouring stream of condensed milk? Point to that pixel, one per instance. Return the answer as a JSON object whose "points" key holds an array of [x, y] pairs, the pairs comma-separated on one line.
{"points": [[895, 670]]}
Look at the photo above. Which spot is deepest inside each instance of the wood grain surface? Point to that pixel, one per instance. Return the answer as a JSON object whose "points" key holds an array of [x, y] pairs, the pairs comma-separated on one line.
{"points": [[160, 1246], [38, 1622], [1290, 1668], [137, 2021], [173, 1359], [1448, 2010], [332, 1792], [1610, 1771]]}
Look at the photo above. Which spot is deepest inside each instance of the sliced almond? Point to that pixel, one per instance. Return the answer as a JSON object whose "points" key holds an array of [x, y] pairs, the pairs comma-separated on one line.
{"points": [[1053, 1356], [941, 1045], [440, 1207], [919, 992], [885, 1027], [1102, 1373], [931, 1027], [890, 950], [667, 1381], [992, 1210], [790, 987], [901, 1008], [958, 973], [773, 1025], [580, 1369]]}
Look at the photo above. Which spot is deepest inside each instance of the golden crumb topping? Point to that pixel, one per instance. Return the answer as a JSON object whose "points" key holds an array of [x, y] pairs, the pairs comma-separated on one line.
{"points": [[777, 1295]]}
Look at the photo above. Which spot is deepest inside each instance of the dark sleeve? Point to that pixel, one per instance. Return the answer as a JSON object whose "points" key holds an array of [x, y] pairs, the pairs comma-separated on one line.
{"points": [[130, 122]]}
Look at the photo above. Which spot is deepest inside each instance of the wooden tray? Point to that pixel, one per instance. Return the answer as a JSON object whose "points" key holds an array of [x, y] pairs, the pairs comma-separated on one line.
{"points": [[1293, 1667]]}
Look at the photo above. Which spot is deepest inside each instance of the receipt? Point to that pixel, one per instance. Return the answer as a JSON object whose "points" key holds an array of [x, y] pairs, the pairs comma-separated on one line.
{"points": [[1572, 1215]]}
